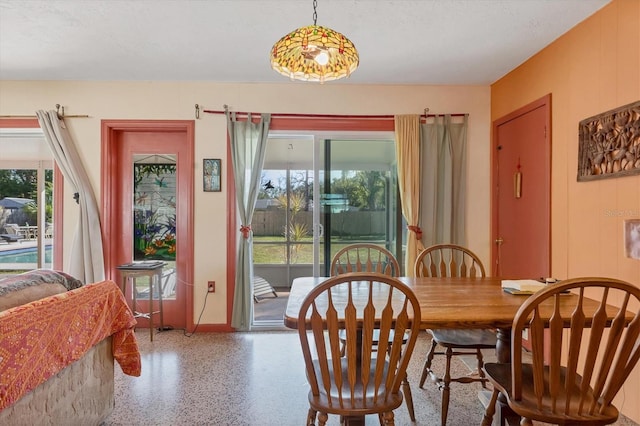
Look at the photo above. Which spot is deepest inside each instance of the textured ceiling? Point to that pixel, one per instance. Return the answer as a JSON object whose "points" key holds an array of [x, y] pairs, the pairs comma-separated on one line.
{"points": [[400, 41]]}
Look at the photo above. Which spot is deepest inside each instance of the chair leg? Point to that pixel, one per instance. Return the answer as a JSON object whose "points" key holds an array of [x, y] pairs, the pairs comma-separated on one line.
{"points": [[446, 381], [483, 380], [322, 419], [491, 409], [406, 389], [388, 419], [311, 417], [427, 363], [526, 422]]}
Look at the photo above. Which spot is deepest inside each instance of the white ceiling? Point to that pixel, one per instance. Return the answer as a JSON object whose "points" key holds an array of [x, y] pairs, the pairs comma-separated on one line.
{"points": [[400, 41]]}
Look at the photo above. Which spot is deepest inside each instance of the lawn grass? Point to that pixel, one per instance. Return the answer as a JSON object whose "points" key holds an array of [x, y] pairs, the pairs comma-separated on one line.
{"points": [[272, 249]]}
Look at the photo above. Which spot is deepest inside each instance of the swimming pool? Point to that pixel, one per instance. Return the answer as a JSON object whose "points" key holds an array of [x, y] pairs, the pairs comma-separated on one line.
{"points": [[24, 255]]}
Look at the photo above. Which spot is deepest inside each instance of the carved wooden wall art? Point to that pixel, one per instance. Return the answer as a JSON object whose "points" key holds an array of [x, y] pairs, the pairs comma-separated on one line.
{"points": [[609, 144]]}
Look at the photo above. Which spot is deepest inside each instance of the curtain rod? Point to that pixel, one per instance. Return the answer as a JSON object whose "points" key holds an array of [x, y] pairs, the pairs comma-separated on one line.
{"points": [[35, 116], [59, 110], [294, 115]]}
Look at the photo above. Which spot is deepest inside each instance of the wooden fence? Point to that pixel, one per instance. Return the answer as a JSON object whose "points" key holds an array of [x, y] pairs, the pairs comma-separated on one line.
{"points": [[351, 223]]}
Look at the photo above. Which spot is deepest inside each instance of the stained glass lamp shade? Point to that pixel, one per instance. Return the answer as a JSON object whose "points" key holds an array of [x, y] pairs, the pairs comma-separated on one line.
{"points": [[314, 53]]}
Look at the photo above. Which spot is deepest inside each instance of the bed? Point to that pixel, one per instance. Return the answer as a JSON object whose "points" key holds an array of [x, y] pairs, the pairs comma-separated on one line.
{"points": [[58, 343]]}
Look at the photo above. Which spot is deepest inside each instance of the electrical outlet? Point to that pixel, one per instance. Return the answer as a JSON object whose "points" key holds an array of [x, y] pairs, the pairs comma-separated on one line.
{"points": [[211, 285]]}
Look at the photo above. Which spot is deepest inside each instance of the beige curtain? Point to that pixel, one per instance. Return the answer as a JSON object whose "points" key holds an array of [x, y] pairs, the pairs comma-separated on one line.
{"points": [[444, 185], [86, 261], [407, 135]]}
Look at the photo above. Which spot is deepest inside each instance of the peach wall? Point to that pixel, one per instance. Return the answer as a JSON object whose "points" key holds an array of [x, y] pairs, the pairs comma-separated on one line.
{"points": [[176, 100], [591, 69]]}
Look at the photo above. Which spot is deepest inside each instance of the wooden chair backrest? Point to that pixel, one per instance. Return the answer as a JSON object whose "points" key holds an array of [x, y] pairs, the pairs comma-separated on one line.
{"points": [[360, 304], [365, 258], [590, 356], [448, 260]]}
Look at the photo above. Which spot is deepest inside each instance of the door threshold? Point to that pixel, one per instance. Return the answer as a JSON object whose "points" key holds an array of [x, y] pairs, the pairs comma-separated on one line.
{"points": [[269, 326]]}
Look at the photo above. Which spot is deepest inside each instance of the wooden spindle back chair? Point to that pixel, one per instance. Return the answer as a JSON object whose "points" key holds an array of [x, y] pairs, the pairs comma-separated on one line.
{"points": [[579, 367], [365, 380], [451, 260], [448, 260], [364, 257]]}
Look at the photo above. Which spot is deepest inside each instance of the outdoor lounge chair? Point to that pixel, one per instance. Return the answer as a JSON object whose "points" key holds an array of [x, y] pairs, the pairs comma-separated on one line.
{"points": [[262, 287], [13, 233], [10, 238]]}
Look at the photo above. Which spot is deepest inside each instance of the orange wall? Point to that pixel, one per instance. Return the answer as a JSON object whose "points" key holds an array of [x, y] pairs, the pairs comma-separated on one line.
{"points": [[591, 69]]}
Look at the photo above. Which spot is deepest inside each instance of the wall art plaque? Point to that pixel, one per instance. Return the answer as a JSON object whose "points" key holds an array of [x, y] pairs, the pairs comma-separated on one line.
{"points": [[609, 144]]}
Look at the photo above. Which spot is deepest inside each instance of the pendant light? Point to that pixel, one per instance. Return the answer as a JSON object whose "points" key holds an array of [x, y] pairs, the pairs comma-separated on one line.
{"points": [[314, 53]]}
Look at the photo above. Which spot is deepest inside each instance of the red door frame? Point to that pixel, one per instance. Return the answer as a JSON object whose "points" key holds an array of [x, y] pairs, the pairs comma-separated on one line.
{"points": [[284, 124], [58, 190], [110, 130]]}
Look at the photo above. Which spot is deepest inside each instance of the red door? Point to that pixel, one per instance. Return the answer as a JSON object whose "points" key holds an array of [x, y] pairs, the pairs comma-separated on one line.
{"points": [[521, 217], [126, 143]]}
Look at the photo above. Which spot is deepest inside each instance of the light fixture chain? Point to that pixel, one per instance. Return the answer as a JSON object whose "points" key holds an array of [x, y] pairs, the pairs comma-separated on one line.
{"points": [[315, 14]]}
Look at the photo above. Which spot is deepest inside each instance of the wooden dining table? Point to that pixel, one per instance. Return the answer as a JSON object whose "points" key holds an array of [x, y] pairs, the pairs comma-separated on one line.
{"points": [[455, 303]]}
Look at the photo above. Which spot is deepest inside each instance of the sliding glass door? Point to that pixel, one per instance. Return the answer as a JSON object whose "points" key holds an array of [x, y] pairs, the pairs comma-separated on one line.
{"points": [[283, 225], [320, 192], [358, 196]]}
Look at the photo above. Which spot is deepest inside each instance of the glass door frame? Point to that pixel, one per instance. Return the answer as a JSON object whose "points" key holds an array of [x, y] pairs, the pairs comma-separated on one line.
{"points": [[279, 124], [116, 190], [334, 148], [318, 230], [320, 165]]}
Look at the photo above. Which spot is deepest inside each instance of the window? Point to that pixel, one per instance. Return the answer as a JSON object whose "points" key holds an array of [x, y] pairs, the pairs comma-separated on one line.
{"points": [[26, 200]]}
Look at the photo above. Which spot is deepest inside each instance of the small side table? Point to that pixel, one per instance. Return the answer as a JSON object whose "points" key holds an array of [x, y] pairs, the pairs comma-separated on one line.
{"points": [[153, 270]]}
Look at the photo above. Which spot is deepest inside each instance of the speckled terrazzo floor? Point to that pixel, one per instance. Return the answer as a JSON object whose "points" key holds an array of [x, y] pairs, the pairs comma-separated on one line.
{"points": [[253, 378]]}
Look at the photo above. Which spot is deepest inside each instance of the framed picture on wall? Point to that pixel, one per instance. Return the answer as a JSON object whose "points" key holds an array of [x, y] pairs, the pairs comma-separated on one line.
{"points": [[211, 173], [632, 238]]}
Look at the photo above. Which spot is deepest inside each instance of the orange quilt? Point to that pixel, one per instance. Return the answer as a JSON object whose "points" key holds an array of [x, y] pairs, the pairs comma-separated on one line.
{"points": [[40, 338]]}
